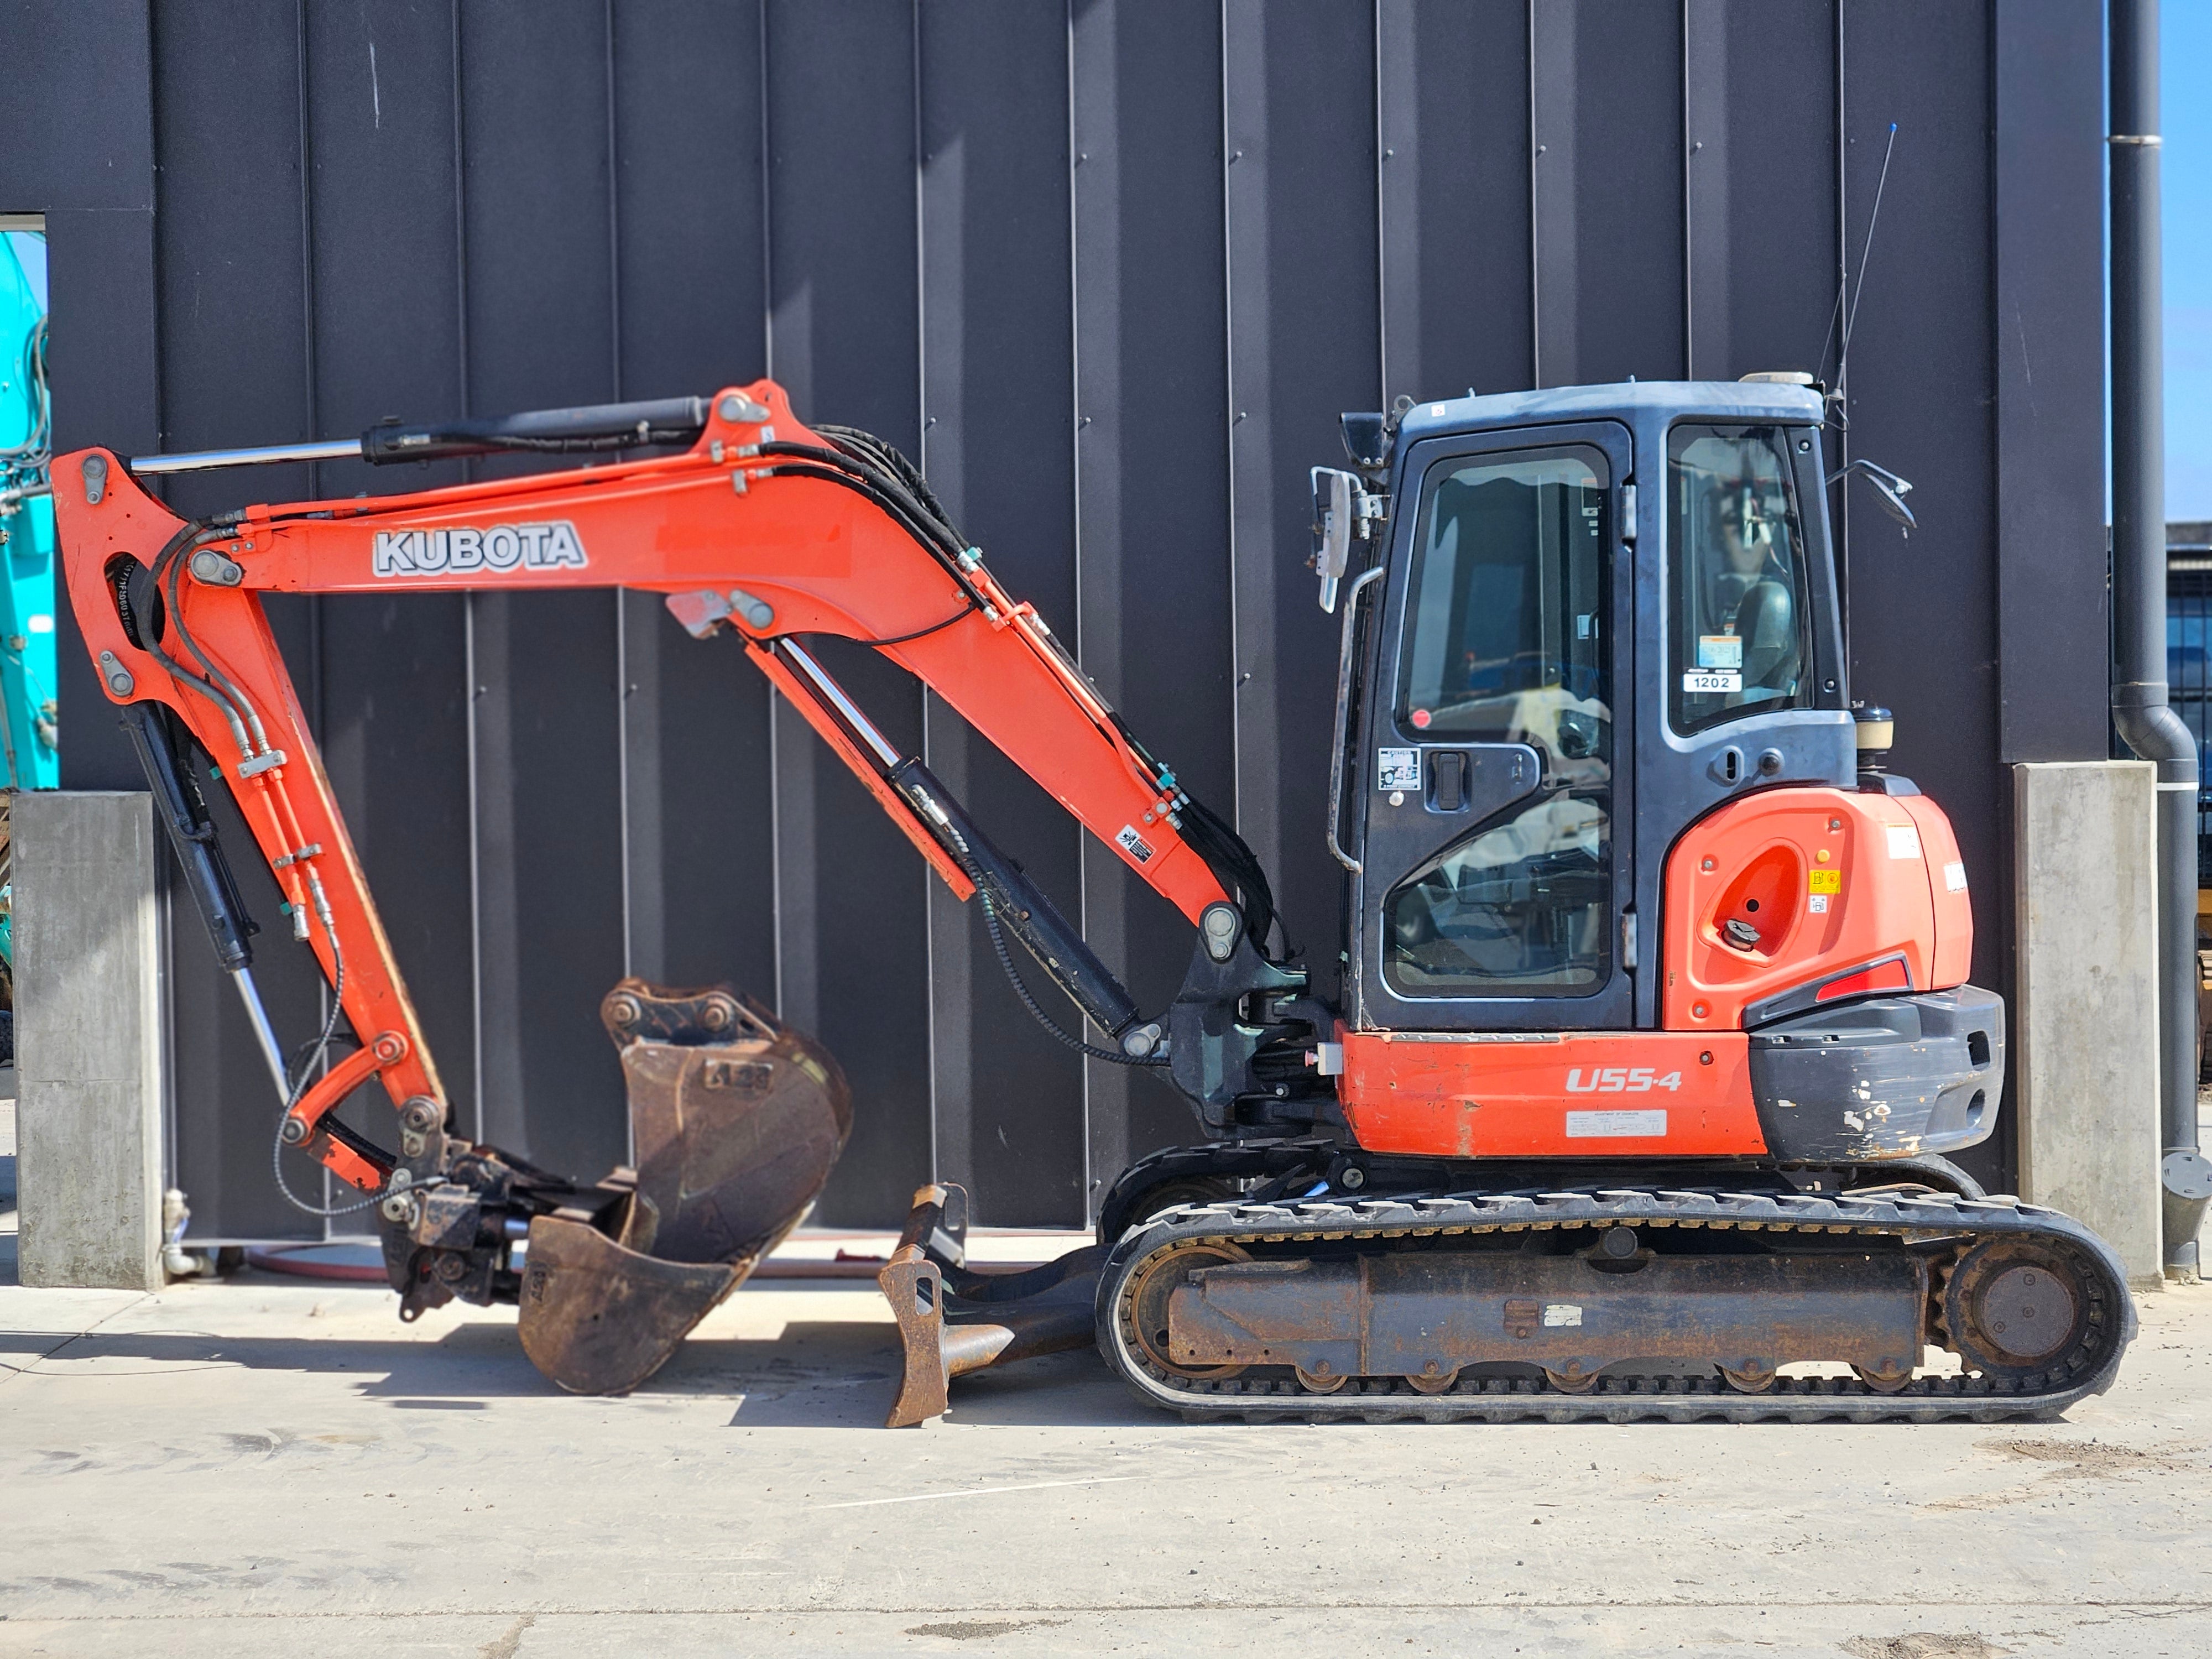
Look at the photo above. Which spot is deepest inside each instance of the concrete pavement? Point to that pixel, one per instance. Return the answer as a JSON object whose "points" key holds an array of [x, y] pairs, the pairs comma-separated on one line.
{"points": [[266, 1467]]}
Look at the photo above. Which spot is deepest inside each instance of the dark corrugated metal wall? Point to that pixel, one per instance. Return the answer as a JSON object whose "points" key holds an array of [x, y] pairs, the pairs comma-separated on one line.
{"points": [[1111, 269]]}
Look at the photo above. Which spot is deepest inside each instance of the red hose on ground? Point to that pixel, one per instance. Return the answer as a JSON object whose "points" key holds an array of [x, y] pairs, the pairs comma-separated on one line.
{"points": [[279, 1260]]}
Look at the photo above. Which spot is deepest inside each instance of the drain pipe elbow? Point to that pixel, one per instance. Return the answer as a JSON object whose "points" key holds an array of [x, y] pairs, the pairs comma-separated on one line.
{"points": [[2148, 723]]}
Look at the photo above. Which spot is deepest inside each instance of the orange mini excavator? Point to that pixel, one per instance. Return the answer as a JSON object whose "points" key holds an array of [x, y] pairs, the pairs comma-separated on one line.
{"points": [[1654, 1026]]}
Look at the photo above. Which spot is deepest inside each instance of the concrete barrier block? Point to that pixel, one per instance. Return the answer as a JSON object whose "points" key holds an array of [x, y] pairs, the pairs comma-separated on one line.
{"points": [[2086, 1042], [87, 1040]]}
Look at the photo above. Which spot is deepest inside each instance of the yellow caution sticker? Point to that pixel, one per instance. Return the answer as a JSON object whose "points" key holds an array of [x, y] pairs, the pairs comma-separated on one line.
{"points": [[1826, 881]]}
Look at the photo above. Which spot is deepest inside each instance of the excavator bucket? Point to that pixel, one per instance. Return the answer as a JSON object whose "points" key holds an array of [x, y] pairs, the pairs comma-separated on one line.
{"points": [[735, 1121], [953, 1319]]}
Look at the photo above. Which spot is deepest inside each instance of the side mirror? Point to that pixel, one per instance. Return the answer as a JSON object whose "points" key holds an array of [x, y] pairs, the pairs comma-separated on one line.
{"points": [[1344, 511], [1888, 487], [1331, 528]]}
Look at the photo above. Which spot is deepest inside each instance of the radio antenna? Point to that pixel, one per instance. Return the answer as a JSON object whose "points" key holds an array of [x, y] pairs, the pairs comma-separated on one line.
{"points": [[1847, 315]]}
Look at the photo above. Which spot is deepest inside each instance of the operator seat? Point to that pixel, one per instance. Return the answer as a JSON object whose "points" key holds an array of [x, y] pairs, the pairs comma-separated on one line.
{"points": [[1766, 621]]}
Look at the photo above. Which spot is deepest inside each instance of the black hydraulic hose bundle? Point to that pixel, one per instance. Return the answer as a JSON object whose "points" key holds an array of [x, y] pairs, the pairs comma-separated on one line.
{"points": [[208, 872], [991, 926], [876, 470]]}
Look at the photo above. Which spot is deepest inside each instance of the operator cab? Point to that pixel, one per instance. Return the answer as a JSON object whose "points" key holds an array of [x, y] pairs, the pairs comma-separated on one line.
{"points": [[1590, 616]]}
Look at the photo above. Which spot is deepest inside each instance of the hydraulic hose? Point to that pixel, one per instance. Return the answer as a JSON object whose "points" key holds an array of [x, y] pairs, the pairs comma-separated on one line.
{"points": [[991, 926]]}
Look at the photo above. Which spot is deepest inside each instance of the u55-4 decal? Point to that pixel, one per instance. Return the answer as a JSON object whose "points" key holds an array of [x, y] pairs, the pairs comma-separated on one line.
{"points": [[1620, 1080]]}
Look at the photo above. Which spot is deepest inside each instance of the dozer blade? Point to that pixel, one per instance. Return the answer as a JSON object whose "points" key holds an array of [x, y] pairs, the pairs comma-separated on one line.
{"points": [[737, 1121], [953, 1321]]}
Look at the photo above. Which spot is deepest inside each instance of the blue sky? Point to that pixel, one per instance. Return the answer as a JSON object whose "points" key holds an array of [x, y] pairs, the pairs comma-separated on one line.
{"points": [[2185, 47]]}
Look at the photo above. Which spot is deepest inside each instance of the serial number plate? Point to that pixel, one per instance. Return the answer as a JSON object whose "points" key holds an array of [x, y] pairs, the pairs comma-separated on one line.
{"points": [[1616, 1126], [1711, 681]]}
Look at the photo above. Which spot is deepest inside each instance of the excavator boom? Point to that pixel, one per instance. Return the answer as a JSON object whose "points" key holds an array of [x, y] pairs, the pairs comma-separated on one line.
{"points": [[759, 528]]}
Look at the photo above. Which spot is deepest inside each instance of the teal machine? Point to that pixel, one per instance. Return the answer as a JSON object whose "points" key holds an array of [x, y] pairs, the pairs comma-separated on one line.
{"points": [[28, 738]]}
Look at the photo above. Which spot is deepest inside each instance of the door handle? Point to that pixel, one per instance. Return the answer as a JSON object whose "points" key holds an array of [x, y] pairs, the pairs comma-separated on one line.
{"points": [[1344, 742], [1447, 770]]}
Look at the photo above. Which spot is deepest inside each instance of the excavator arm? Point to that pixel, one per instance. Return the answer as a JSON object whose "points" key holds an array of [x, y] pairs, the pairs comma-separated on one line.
{"points": [[760, 528]]}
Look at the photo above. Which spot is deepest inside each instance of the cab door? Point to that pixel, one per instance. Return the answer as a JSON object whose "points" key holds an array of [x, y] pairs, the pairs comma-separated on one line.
{"points": [[1495, 857]]}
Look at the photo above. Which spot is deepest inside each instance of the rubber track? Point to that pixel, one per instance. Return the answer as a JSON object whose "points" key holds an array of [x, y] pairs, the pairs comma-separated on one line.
{"points": [[2088, 1370]]}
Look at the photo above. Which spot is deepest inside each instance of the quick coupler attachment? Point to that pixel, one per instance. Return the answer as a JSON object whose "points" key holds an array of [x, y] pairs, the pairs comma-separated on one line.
{"points": [[953, 1319]]}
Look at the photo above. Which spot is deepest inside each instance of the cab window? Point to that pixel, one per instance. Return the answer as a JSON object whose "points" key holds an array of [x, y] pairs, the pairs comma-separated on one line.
{"points": [[1739, 640]]}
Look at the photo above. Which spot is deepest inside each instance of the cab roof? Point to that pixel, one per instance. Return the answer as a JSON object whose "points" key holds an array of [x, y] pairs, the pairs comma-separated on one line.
{"points": [[1634, 402]]}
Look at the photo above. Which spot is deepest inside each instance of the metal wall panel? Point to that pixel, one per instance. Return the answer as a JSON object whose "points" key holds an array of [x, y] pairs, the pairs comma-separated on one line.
{"points": [[1760, 184], [1112, 267], [1923, 609], [1298, 90], [1607, 184], [844, 310], [1153, 484], [691, 315], [2048, 159], [998, 439], [385, 293], [234, 369], [1454, 103]]}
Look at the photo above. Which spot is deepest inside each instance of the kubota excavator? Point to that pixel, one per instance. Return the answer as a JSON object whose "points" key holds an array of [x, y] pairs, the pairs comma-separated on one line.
{"points": [[1653, 1024]]}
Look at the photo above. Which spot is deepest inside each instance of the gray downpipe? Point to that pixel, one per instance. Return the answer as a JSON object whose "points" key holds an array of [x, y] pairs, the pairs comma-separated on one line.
{"points": [[2140, 710]]}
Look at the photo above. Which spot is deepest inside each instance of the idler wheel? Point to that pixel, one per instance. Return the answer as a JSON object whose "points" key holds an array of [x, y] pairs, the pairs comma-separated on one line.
{"points": [[1324, 1381], [2014, 1307], [1145, 1316], [1434, 1380], [1573, 1379], [1753, 1377]]}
